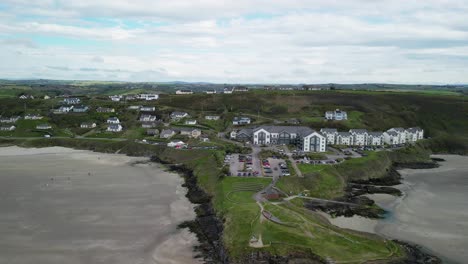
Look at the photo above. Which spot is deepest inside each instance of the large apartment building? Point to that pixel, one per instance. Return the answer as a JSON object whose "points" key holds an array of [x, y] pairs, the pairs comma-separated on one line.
{"points": [[362, 137]]}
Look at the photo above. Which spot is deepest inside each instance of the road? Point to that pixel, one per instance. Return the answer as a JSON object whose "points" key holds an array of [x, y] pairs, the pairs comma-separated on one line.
{"points": [[293, 163]]}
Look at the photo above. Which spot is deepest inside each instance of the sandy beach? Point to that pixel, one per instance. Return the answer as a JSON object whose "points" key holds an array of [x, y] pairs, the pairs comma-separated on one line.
{"points": [[60, 205]]}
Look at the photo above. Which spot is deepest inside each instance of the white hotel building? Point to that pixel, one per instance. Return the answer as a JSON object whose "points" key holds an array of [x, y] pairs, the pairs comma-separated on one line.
{"points": [[307, 139]]}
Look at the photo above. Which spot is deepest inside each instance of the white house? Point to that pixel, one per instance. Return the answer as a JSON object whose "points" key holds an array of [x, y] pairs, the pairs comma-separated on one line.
{"points": [[43, 126], [26, 96], [212, 117], [191, 122], [46, 97], [147, 109], [113, 120], [210, 91], [241, 89], [344, 138], [241, 121], [80, 109], [307, 139], [167, 133], [114, 128], [72, 101], [176, 144], [149, 97], [375, 139], [33, 117], [88, 125], [227, 91], [135, 107], [414, 134], [191, 132], [359, 136], [116, 98], [184, 92], [105, 110], [336, 115], [7, 128], [178, 115], [64, 109], [12, 119], [147, 118], [330, 134]]}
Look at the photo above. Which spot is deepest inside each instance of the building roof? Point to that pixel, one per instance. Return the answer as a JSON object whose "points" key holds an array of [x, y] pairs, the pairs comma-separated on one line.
{"points": [[113, 118], [300, 130], [414, 129], [328, 130], [114, 126], [167, 132], [344, 134], [392, 133], [399, 129], [358, 131], [177, 113], [376, 134]]}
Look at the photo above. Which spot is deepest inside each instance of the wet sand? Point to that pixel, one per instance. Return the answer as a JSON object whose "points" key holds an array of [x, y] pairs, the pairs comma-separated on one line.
{"points": [[433, 211], [59, 205]]}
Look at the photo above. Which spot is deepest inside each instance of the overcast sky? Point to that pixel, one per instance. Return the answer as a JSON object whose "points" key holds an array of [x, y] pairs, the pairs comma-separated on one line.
{"points": [[239, 41]]}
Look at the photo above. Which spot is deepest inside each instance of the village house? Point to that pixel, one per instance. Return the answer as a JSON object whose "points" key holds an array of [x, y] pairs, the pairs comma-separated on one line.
{"points": [[152, 132], [80, 109], [149, 97], [204, 139], [375, 139], [72, 101], [227, 91], [336, 115], [147, 118], [43, 126], [26, 96], [33, 117], [241, 121], [241, 89], [105, 110], [344, 138], [191, 132], [113, 120], [7, 128], [210, 117], [63, 109], [210, 91], [116, 98], [114, 128], [176, 144], [12, 119], [414, 134], [178, 115], [150, 124], [46, 97], [147, 109], [134, 107], [305, 138], [184, 92], [191, 122], [167, 133], [330, 134], [359, 136], [88, 125]]}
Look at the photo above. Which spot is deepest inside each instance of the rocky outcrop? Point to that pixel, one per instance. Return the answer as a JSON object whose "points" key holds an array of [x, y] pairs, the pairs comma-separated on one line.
{"points": [[293, 258], [415, 255]]}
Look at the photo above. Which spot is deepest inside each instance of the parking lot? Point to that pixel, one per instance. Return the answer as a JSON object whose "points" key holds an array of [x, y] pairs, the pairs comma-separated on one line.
{"points": [[274, 167], [243, 165]]}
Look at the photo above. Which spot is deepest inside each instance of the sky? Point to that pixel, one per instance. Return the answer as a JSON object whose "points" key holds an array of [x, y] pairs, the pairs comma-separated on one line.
{"points": [[239, 41]]}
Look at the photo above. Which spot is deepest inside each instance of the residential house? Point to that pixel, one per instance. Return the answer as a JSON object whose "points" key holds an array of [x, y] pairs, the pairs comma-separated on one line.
{"points": [[131, 97], [149, 97], [72, 101], [80, 109], [210, 91], [375, 139], [414, 134], [7, 128], [147, 118], [191, 132], [167, 133], [152, 132], [210, 117], [241, 89], [134, 107], [12, 119], [33, 117], [191, 122], [26, 96], [147, 109], [43, 126], [305, 138], [150, 124], [184, 92], [116, 98], [105, 110], [227, 91], [63, 109], [336, 115], [176, 144], [113, 120], [331, 135], [114, 128], [359, 136], [344, 138], [178, 115], [88, 125], [241, 121], [204, 139], [46, 97]]}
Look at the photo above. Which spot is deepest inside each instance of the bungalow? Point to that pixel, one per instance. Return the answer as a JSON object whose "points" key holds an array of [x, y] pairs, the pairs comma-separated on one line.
{"points": [[80, 109], [414, 134], [12, 119], [178, 115], [105, 110], [63, 109], [227, 91], [176, 144], [212, 117], [72, 101], [33, 117], [241, 89], [134, 107], [113, 120], [344, 138], [375, 139], [149, 97], [147, 118], [305, 138], [210, 91], [241, 121], [330, 134], [150, 124], [116, 98], [167, 133], [184, 92], [152, 132], [191, 132], [359, 136], [88, 125], [114, 128], [191, 122], [26, 96], [336, 115], [147, 109], [7, 128], [46, 97], [43, 126]]}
